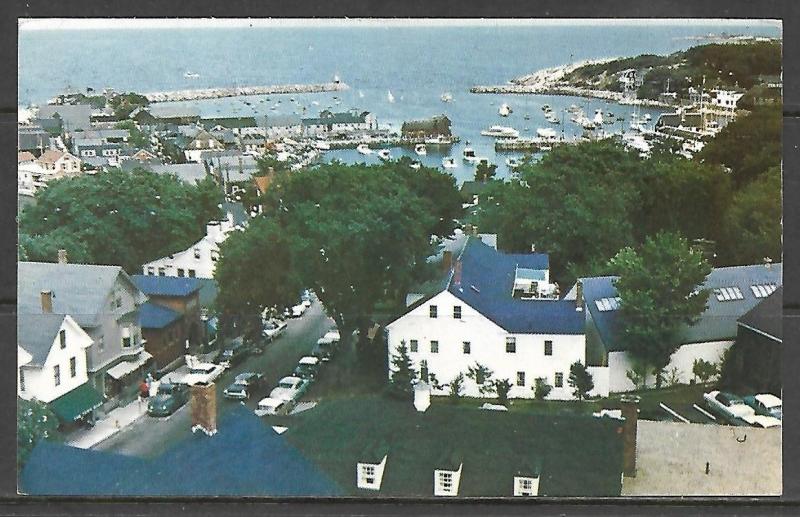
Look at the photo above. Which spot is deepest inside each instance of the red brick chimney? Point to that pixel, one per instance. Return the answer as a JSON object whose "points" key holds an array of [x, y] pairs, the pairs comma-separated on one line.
{"points": [[447, 261], [204, 408], [47, 301], [630, 412]]}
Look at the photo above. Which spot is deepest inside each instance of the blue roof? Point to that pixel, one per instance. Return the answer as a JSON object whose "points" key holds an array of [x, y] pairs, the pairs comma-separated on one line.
{"points": [[487, 280], [152, 316], [717, 323], [244, 458], [153, 285]]}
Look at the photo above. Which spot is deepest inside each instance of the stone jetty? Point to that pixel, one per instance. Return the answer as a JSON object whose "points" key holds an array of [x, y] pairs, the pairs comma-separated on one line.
{"points": [[218, 93]]}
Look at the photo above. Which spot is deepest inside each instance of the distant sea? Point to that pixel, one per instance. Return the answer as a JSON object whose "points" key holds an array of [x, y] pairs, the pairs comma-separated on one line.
{"points": [[415, 64]]}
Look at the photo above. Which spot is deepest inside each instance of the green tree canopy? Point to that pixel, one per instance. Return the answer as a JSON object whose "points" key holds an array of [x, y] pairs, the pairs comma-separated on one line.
{"points": [[658, 290], [485, 171], [35, 422], [580, 380], [117, 217], [751, 228]]}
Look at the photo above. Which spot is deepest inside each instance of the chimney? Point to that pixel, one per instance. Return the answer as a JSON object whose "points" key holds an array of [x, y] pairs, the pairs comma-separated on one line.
{"points": [[447, 261], [767, 262], [474, 230], [47, 301], [468, 229], [457, 274], [214, 229], [62, 256], [204, 408], [579, 295], [533, 247], [630, 412]]}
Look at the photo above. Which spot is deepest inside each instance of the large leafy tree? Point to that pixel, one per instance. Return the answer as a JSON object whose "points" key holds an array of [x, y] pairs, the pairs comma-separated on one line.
{"points": [[658, 286], [751, 228], [749, 145], [35, 422], [580, 380], [118, 217], [574, 204]]}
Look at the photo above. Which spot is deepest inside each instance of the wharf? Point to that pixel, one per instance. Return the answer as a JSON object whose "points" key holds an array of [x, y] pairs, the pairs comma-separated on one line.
{"points": [[567, 90], [526, 144], [218, 93]]}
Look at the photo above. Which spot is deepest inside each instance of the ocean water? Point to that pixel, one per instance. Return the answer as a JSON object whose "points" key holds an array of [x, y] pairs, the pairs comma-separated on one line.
{"points": [[415, 64]]}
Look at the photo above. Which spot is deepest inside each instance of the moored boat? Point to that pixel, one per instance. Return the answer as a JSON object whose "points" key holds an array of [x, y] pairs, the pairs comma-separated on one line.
{"points": [[513, 163], [420, 149], [384, 154], [469, 155], [449, 162], [505, 110], [363, 149], [501, 132]]}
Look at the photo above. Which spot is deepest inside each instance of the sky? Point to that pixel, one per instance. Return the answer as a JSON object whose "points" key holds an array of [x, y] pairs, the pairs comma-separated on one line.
{"points": [[26, 24]]}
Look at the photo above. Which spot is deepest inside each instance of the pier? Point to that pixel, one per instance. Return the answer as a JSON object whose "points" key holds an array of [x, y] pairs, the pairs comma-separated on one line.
{"points": [[527, 144], [218, 93], [572, 91]]}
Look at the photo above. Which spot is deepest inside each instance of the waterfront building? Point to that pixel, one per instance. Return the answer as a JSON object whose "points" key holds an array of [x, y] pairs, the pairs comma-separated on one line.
{"points": [[344, 122], [427, 128]]}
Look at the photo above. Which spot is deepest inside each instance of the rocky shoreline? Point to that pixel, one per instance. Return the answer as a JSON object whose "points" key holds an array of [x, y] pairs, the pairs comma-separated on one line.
{"points": [[217, 93]]}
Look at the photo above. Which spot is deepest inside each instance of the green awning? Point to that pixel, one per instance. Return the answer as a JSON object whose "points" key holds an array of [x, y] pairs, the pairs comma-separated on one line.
{"points": [[76, 403]]}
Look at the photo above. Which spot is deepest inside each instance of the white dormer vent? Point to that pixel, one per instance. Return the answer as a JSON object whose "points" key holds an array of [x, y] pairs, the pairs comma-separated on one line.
{"points": [[445, 482], [526, 486], [369, 476]]}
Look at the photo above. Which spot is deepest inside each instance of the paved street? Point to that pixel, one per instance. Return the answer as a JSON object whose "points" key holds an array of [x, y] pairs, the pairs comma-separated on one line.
{"points": [[150, 436]]}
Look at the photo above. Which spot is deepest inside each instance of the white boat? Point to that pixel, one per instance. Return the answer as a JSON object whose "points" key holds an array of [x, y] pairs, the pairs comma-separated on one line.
{"points": [[545, 148], [322, 145], [598, 117], [384, 154], [469, 155], [415, 165], [363, 149], [647, 117], [420, 149], [513, 163], [546, 132], [360, 94], [389, 96], [449, 162], [447, 97], [501, 132], [191, 75], [546, 107], [439, 140], [505, 110]]}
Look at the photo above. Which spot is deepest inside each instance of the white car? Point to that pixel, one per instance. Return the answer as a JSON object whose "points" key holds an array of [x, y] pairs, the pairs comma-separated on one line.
{"points": [[734, 409], [273, 329], [290, 388], [332, 336], [298, 310], [202, 372], [272, 406]]}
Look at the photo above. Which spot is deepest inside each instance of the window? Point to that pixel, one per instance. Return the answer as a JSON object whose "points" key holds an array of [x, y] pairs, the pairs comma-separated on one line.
{"points": [[197, 253], [763, 290], [548, 348], [434, 347], [162, 271], [414, 345], [524, 486], [559, 380], [127, 341], [151, 270], [520, 378], [466, 347], [62, 338], [214, 256], [457, 312], [433, 311], [57, 375], [446, 481], [73, 367], [191, 273], [727, 294], [368, 473], [181, 272], [423, 371], [21, 379], [511, 345]]}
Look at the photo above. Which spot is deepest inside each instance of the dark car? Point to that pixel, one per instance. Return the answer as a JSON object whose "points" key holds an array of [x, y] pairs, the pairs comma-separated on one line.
{"points": [[234, 353], [168, 399], [324, 349], [307, 367], [244, 385]]}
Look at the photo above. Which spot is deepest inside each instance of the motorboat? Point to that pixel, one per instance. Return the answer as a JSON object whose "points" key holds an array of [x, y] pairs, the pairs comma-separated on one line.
{"points": [[449, 162], [420, 149], [647, 117], [363, 149], [384, 154], [439, 140], [469, 155], [415, 165], [501, 132], [546, 107], [389, 96], [191, 75], [322, 145], [513, 163], [505, 110], [598, 117], [546, 132], [527, 117], [447, 97]]}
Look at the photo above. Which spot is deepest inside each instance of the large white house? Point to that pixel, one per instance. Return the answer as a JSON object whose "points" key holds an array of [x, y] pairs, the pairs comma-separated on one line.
{"points": [[733, 291], [200, 259], [498, 311]]}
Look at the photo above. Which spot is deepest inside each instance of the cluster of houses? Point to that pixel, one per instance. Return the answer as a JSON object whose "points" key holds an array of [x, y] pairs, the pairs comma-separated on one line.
{"points": [[499, 311]]}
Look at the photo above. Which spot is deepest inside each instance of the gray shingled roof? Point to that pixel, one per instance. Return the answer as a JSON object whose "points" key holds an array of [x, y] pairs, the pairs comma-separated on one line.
{"points": [[80, 290], [74, 116], [36, 334], [767, 316]]}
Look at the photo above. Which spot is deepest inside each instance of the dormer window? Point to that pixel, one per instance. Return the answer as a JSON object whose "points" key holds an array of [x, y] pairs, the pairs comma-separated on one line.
{"points": [[197, 253], [370, 475], [446, 482], [526, 486], [433, 311], [62, 338]]}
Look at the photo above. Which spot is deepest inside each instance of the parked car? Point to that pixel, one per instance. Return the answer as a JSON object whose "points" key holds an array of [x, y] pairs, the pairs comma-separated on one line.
{"points": [[307, 367], [766, 404], [290, 388], [298, 310], [202, 372], [167, 399], [324, 349], [332, 336], [734, 409], [244, 385], [234, 353], [272, 406], [273, 329]]}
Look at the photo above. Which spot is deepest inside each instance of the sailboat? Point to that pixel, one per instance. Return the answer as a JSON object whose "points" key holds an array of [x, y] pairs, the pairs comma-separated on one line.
{"points": [[505, 110], [360, 94], [389, 96]]}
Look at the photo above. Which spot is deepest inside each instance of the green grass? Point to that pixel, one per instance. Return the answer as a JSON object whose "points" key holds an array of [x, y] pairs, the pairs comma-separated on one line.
{"points": [[649, 399]]}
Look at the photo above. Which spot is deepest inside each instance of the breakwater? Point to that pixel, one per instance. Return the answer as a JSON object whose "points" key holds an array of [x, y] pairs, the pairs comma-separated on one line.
{"points": [[218, 93], [572, 91]]}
